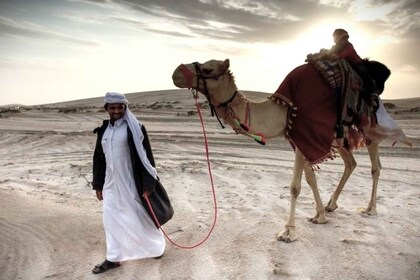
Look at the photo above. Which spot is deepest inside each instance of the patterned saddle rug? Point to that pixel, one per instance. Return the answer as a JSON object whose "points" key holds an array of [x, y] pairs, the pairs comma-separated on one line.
{"points": [[346, 84]]}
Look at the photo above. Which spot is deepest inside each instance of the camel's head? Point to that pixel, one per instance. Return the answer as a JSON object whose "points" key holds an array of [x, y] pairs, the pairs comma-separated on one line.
{"points": [[212, 78]]}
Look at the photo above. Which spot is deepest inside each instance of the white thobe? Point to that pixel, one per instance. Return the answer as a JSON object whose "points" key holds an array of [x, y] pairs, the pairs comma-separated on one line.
{"points": [[130, 232]]}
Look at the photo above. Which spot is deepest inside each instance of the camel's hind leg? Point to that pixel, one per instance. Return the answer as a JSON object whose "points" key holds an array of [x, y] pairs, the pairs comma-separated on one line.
{"points": [[349, 165], [376, 170], [289, 233], [319, 217]]}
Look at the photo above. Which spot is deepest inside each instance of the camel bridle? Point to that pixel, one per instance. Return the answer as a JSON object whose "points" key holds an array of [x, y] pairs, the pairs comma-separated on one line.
{"points": [[203, 77], [227, 106]]}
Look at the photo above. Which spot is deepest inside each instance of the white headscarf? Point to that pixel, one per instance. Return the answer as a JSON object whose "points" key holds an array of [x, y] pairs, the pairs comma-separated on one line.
{"points": [[135, 128]]}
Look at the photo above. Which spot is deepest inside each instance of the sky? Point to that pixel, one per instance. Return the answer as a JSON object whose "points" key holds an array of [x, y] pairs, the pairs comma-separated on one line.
{"points": [[61, 50]]}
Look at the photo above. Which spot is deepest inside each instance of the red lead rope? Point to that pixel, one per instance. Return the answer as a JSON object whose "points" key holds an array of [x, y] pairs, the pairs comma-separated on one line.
{"points": [[212, 187]]}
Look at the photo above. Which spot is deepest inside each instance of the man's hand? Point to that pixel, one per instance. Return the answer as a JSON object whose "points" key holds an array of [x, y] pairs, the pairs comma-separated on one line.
{"points": [[99, 195]]}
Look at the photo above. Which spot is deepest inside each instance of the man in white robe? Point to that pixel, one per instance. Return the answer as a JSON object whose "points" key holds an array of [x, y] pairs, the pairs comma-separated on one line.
{"points": [[129, 230]]}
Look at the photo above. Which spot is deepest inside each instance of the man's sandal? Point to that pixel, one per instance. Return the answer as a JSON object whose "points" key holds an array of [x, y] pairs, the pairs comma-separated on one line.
{"points": [[100, 268]]}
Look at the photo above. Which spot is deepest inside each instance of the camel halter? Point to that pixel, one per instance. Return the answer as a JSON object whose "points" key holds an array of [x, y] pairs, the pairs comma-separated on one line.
{"points": [[200, 76], [244, 127]]}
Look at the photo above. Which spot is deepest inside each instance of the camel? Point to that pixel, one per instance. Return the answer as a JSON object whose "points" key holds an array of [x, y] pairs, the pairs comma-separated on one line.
{"points": [[268, 119]]}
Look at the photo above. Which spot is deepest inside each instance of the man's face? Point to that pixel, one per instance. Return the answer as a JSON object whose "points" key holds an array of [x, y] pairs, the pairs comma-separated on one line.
{"points": [[116, 111]]}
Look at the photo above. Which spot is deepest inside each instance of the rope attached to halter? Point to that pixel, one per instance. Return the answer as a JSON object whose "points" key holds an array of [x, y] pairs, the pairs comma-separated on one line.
{"points": [[195, 95]]}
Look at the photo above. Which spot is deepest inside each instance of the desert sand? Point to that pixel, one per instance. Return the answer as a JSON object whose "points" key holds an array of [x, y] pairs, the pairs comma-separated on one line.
{"points": [[51, 221]]}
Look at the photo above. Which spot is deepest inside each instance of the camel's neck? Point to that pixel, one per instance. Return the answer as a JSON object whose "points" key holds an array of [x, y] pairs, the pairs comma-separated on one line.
{"points": [[264, 117]]}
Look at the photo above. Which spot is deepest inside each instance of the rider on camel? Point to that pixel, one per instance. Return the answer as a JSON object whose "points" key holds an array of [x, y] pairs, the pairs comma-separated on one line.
{"points": [[344, 49]]}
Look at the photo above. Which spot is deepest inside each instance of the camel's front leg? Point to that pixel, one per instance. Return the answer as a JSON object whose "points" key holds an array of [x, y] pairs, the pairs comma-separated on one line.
{"points": [[320, 211], [289, 233], [376, 170], [349, 166]]}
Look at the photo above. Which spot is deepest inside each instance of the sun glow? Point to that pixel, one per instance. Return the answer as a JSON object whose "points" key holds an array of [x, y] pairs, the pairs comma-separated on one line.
{"points": [[320, 36], [282, 58]]}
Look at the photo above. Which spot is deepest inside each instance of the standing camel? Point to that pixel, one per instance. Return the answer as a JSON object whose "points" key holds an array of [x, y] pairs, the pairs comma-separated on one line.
{"points": [[271, 118]]}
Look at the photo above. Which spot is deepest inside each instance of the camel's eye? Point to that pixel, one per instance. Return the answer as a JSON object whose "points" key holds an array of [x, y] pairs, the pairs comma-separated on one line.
{"points": [[207, 71]]}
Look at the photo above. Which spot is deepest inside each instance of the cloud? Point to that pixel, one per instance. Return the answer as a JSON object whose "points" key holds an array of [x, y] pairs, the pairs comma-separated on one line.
{"points": [[244, 21], [395, 17], [272, 20], [12, 28]]}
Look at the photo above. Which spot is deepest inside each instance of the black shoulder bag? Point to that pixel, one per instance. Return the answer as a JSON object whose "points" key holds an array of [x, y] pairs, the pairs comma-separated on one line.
{"points": [[160, 204]]}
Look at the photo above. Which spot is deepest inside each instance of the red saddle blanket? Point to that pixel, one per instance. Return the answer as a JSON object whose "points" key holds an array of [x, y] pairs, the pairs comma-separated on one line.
{"points": [[312, 112]]}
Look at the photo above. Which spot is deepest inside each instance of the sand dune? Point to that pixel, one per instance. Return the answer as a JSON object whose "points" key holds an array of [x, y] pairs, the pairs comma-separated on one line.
{"points": [[51, 223]]}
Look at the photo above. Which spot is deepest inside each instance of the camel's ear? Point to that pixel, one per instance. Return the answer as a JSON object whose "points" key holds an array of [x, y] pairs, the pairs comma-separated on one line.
{"points": [[226, 65]]}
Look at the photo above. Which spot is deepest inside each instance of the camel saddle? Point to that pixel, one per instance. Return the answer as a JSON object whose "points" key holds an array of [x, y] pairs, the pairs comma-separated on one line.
{"points": [[346, 84]]}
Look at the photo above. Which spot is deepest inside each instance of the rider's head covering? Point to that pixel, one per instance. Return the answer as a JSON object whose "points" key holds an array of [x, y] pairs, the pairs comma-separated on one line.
{"points": [[340, 34]]}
